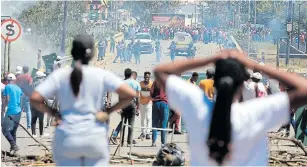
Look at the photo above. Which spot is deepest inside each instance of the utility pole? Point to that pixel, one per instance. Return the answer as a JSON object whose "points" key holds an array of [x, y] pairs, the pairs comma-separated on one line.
{"points": [[115, 3], [5, 56], [298, 25], [202, 14], [64, 29], [239, 12], [255, 5], [195, 12], [9, 56], [289, 30]]}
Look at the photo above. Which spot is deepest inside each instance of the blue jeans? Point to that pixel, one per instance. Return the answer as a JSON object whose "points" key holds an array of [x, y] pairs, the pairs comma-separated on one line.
{"points": [[9, 127], [118, 55], [160, 114], [158, 56], [101, 54], [173, 55], [27, 109]]}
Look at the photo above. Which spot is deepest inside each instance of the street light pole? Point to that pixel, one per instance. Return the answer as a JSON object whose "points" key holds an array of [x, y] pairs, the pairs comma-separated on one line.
{"points": [[64, 29]]}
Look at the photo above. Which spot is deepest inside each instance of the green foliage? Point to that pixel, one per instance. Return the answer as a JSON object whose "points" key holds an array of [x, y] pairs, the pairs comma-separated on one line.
{"points": [[144, 9], [45, 18]]}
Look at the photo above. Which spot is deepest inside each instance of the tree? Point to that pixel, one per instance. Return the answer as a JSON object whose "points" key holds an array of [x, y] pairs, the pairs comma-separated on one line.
{"points": [[144, 9], [45, 18]]}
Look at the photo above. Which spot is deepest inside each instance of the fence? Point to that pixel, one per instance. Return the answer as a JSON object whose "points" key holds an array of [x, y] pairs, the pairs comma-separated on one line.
{"points": [[139, 127], [65, 61]]}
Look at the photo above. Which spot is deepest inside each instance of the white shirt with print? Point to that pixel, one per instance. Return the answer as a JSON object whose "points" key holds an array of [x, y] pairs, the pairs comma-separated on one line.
{"points": [[251, 120]]}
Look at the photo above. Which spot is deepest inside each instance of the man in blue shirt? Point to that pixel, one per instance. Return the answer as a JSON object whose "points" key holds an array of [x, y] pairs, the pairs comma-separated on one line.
{"points": [[12, 94], [128, 113]]}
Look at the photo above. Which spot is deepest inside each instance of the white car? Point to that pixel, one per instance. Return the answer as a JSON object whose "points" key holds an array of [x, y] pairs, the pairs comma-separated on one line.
{"points": [[147, 43]]}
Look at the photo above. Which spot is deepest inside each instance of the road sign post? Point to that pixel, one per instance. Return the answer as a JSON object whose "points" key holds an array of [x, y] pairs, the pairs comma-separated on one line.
{"points": [[4, 56], [9, 56], [10, 32]]}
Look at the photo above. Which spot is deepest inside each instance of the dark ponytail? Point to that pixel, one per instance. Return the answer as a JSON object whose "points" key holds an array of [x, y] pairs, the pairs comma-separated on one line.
{"points": [[82, 52], [229, 76], [75, 80]]}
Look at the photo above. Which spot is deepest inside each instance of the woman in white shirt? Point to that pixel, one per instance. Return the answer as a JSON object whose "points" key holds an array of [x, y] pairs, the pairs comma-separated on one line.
{"points": [[227, 132], [81, 136]]}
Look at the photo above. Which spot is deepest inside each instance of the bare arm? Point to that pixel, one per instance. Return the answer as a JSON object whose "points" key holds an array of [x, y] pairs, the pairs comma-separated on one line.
{"points": [[137, 100], [38, 103], [126, 94]]}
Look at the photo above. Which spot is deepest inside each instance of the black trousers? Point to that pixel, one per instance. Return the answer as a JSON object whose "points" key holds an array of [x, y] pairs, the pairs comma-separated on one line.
{"points": [[128, 115], [40, 116]]}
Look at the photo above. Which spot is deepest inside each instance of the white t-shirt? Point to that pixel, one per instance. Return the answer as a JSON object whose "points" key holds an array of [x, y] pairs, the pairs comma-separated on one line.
{"points": [[78, 113], [249, 92], [251, 120]]}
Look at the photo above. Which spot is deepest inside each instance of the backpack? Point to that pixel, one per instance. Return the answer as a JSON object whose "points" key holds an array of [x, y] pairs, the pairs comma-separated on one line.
{"points": [[170, 155]]}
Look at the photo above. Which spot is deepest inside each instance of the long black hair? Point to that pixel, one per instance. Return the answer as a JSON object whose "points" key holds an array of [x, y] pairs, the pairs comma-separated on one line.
{"points": [[229, 76], [82, 52]]}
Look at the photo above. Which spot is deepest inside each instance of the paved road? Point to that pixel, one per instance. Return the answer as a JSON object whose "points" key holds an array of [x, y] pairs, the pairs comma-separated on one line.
{"points": [[29, 147]]}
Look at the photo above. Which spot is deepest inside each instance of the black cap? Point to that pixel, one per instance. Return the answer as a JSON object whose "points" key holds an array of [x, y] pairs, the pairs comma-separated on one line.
{"points": [[82, 47], [25, 69]]}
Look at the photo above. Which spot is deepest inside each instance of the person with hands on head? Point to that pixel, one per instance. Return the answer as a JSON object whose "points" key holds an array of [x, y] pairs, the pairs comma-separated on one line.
{"points": [[217, 133], [81, 136]]}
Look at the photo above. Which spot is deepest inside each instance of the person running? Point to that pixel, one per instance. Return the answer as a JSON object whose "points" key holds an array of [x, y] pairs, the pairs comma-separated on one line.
{"points": [[137, 52], [207, 84], [101, 50], [81, 135], [24, 81], [118, 53], [13, 100], [40, 76], [160, 112], [218, 129], [145, 105], [158, 51], [172, 49]]}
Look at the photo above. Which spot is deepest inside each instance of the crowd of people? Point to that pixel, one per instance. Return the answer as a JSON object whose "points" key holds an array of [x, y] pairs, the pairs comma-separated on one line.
{"points": [[125, 52], [227, 115], [259, 34], [204, 34], [16, 89]]}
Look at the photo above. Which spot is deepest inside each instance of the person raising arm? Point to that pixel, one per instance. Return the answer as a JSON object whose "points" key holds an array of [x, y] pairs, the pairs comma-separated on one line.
{"points": [[232, 133]]}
